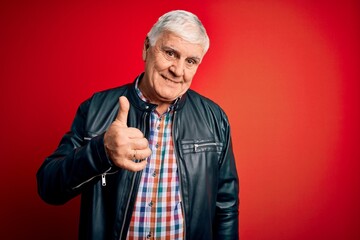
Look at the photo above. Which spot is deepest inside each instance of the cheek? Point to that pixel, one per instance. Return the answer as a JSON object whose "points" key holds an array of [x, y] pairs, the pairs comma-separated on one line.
{"points": [[189, 75], [161, 64]]}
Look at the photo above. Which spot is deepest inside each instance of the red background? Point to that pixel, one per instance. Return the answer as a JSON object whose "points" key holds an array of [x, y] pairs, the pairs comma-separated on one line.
{"points": [[286, 72]]}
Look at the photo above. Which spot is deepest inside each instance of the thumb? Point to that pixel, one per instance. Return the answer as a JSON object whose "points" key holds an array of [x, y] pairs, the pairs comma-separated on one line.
{"points": [[124, 107]]}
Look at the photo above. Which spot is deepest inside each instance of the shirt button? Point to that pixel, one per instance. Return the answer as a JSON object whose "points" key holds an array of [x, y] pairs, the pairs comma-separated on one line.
{"points": [[149, 235], [154, 174], [158, 128], [157, 145], [150, 205]]}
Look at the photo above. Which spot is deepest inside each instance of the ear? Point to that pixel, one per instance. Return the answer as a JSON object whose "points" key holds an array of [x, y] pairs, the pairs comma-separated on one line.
{"points": [[145, 48]]}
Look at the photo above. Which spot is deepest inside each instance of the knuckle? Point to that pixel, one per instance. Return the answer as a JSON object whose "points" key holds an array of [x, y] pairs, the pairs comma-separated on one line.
{"points": [[140, 133], [144, 143]]}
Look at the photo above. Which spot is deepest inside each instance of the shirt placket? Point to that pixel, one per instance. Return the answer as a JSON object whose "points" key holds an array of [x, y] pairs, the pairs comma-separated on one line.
{"points": [[155, 175]]}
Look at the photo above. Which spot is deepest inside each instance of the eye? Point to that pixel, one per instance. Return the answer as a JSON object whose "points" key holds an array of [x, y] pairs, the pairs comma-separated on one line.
{"points": [[170, 53], [191, 61]]}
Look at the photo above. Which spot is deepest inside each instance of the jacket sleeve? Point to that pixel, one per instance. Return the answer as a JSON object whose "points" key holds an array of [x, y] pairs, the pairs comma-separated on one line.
{"points": [[78, 161], [227, 205]]}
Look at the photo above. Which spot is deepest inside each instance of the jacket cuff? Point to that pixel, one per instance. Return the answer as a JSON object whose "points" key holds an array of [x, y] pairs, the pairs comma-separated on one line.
{"points": [[99, 145]]}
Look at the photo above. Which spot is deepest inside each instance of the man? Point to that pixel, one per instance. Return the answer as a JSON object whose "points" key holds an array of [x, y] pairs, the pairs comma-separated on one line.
{"points": [[151, 159]]}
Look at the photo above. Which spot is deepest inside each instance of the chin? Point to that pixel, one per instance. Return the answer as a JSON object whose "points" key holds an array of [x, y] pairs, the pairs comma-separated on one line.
{"points": [[168, 99]]}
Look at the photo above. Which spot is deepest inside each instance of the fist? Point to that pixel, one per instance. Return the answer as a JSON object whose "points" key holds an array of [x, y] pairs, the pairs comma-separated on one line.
{"points": [[126, 147]]}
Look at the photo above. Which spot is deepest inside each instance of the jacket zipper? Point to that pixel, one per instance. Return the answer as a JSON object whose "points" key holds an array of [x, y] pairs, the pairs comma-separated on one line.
{"points": [[179, 169], [103, 177], [197, 145], [103, 181], [132, 185], [128, 204]]}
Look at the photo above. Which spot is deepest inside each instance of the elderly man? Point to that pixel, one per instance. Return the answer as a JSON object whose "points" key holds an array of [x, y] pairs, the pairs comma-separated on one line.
{"points": [[152, 159]]}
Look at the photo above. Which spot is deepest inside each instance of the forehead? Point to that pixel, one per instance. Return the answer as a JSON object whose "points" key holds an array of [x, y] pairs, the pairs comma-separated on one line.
{"points": [[183, 47]]}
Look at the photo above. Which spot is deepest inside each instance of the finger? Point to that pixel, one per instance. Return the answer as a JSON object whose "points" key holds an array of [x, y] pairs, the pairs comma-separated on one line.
{"points": [[134, 166], [134, 133], [139, 143], [124, 107], [140, 154]]}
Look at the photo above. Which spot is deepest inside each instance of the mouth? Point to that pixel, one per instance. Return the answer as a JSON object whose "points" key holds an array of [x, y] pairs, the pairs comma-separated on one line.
{"points": [[169, 79]]}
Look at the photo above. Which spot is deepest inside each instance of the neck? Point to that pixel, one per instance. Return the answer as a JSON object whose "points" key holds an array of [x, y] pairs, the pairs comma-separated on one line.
{"points": [[162, 107]]}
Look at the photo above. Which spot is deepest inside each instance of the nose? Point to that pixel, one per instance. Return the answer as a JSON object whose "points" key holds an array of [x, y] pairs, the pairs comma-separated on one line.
{"points": [[177, 68]]}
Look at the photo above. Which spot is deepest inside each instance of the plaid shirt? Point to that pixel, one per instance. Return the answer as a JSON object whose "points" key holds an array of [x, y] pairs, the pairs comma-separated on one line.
{"points": [[157, 213]]}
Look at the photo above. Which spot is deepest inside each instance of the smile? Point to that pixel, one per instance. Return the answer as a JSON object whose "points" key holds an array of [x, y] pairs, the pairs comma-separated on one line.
{"points": [[170, 80]]}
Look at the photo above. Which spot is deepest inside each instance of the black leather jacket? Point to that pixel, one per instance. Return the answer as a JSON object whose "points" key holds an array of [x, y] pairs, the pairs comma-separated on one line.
{"points": [[207, 172]]}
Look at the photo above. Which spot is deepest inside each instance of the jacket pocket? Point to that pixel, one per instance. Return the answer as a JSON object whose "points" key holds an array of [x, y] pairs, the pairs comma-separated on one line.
{"points": [[198, 146], [205, 151], [200, 161], [86, 139]]}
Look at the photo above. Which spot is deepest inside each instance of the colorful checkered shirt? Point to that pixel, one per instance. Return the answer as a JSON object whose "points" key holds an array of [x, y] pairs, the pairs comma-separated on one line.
{"points": [[158, 213]]}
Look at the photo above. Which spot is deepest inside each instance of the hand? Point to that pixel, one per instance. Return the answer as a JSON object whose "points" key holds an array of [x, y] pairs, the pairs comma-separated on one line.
{"points": [[123, 144]]}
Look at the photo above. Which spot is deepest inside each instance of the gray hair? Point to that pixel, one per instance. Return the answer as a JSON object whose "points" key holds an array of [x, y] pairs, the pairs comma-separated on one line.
{"points": [[182, 23]]}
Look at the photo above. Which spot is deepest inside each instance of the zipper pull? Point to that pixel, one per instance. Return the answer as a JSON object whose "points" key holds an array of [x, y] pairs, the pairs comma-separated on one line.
{"points": [[103, 180], [195, 147]]}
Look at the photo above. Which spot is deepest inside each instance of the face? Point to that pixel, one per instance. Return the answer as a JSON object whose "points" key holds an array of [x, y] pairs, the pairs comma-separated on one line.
{"points": [[170, 66]]}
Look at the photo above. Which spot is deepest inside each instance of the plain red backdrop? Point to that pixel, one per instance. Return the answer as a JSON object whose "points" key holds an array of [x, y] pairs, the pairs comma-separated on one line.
{"points": [[286, 73]]}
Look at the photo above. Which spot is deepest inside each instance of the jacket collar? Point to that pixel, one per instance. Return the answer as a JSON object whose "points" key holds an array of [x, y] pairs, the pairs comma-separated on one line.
{"points": [[145, 106]]}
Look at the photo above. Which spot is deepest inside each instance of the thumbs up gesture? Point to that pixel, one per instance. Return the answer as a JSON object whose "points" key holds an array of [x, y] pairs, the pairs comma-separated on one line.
{"points": [[125, 145]]}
